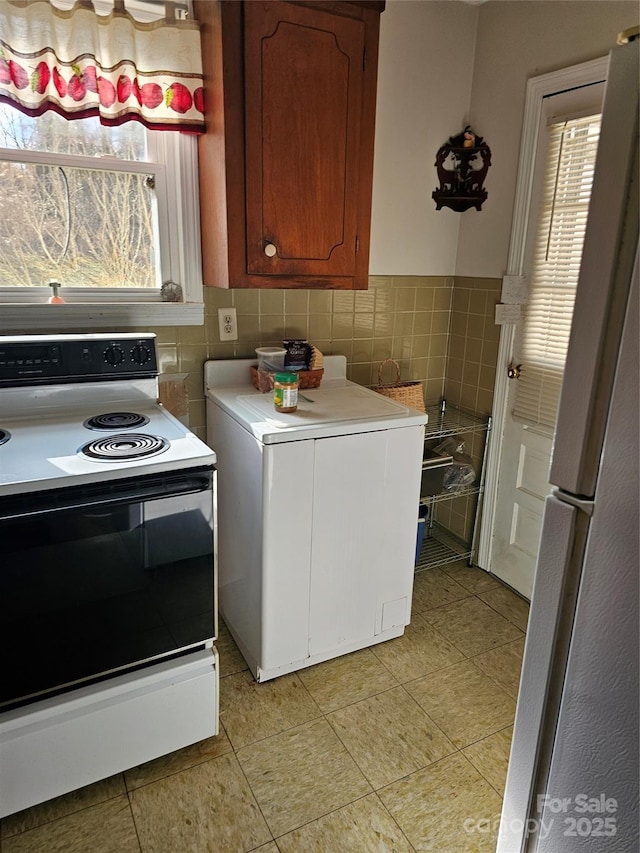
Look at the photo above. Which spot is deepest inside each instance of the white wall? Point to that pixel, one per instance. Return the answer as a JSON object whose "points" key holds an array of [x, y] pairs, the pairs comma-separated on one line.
{"points": [[424, 84], [444, 63], [515, 41]]}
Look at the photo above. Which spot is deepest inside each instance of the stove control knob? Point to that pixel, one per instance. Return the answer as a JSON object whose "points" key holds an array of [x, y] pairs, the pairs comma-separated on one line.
{"points": [[140, 354], [113, 355]]}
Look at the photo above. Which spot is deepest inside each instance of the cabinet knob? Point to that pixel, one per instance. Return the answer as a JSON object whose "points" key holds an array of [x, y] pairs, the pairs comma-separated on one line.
{"points": [[270, 250]]}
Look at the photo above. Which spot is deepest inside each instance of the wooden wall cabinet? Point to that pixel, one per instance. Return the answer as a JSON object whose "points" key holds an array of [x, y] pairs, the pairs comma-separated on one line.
{"points": [[286, 164]]}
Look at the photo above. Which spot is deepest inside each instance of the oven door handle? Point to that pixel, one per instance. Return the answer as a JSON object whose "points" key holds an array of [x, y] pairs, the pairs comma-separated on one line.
{"points": [[99, 495]]}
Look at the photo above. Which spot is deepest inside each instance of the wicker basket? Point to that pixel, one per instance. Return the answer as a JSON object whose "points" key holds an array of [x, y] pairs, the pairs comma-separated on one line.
{"points": [[408, 393], [263, 379]]}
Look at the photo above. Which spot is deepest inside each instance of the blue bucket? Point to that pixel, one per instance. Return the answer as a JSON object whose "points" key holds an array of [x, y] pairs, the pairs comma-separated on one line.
{"points": [[423, 514]]}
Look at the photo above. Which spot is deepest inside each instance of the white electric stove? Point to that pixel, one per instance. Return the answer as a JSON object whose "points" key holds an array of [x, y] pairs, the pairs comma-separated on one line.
{"points": [[78, 409], [108, 580]]}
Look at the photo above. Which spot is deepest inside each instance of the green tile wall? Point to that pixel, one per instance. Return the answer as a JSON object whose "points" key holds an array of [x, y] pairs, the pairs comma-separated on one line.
{"points": [[469, 378], [403, 317], [439, 329], [473, 344]]}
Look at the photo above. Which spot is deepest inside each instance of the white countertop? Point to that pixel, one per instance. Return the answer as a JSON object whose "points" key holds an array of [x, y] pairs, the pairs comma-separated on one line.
{"points": [[337, 407]]}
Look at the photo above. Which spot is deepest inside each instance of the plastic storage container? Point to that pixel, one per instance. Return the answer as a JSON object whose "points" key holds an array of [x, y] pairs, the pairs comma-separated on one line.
{"points": [[434, 467], [423, 515], [271, 358]]}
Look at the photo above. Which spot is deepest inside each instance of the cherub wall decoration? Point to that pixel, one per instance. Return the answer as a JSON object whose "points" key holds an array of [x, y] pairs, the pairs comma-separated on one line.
{"points": [[462, 164]]}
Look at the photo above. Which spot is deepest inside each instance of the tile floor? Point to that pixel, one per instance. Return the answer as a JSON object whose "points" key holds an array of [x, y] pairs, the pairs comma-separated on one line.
{"points": [[397, 747]]}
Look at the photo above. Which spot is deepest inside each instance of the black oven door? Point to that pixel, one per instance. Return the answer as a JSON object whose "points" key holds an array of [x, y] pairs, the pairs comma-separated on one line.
{"points": [[100, 578]]}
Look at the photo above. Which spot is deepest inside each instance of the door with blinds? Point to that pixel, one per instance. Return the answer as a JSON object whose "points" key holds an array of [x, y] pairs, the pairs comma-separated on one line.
{"points": [[566, 148]]}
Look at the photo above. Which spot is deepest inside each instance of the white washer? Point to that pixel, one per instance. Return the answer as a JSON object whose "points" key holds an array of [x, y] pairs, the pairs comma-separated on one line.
{"points": [[317, 516]]}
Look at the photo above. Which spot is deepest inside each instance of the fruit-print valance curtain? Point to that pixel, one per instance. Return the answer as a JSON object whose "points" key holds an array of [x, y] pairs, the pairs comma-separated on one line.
{"points": [[80, 63]]}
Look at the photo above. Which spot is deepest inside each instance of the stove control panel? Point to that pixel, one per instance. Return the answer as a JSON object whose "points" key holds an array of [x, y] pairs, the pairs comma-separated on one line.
{"points": [[41, 360]]}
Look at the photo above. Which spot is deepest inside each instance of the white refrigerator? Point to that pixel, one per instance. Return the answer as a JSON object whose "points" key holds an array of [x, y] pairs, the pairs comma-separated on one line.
{"points": [[572, 783]]}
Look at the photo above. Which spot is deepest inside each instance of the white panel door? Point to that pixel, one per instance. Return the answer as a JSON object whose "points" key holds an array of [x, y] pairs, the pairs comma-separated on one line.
{"points": [[523, 487], [520, 479]]}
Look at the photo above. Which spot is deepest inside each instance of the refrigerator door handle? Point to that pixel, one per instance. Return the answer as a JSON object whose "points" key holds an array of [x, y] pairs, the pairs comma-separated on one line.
{"points": [[564, 528], [583, 504]]}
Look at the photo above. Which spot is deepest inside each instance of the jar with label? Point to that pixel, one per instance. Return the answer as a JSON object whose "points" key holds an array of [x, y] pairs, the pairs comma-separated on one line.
{"points": [[285, 392]]}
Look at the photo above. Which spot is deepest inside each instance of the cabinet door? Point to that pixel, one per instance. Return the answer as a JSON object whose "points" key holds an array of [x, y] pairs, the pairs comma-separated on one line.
{"points": [[365, 507], [303, 106]]}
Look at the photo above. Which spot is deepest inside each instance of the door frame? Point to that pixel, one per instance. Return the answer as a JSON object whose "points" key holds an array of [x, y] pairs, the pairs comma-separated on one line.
{"points": [[583, 74]]}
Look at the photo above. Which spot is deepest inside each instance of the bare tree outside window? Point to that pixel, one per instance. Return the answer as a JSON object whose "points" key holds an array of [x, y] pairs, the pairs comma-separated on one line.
{"points": [[86, 227]]}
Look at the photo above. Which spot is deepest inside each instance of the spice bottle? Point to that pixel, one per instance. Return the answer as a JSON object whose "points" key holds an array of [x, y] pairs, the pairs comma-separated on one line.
{"points": [[285, 392]]}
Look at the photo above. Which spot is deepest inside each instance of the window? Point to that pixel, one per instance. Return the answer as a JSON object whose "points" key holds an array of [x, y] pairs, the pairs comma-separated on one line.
{"points": [[568, 176], [109, 212], [88, 227]]}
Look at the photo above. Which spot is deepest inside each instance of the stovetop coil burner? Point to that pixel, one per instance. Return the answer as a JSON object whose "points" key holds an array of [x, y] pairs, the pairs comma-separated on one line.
{"points": [[5, 435], [116, 420], [122, 448]]}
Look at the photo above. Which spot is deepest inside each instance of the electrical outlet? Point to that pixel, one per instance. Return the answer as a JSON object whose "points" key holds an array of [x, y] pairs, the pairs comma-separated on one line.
{"points": [[227, 324]]}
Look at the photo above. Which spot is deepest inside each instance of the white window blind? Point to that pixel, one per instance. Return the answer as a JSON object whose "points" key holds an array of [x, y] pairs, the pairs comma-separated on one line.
{"points": [[568, 177]]}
